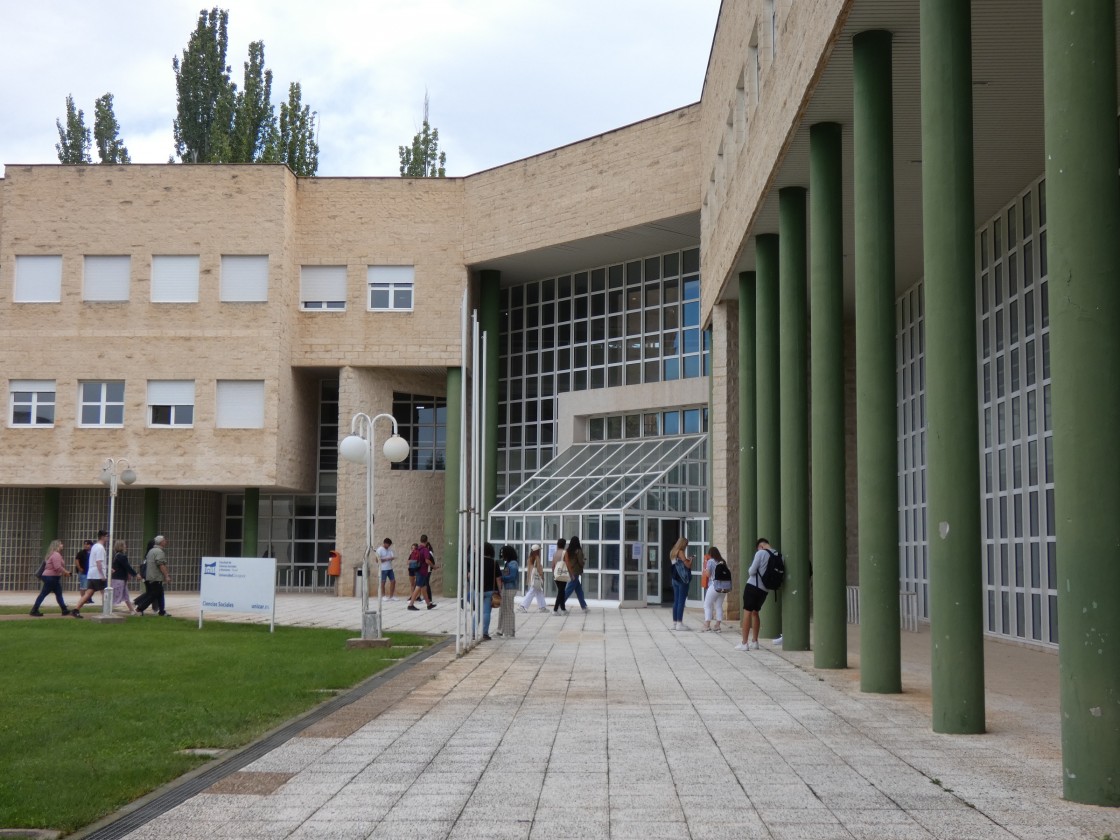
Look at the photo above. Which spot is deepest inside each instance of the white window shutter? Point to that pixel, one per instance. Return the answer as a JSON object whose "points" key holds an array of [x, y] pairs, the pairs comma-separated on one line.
{"points": [[392, 274], [174, 279], [106, 278], [240, 404], [38, 280], [322, 282], [170, 392], [244, 278]]}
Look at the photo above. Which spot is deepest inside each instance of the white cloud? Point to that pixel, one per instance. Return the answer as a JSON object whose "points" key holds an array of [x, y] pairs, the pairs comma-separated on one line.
{"points": [[507, 78]]}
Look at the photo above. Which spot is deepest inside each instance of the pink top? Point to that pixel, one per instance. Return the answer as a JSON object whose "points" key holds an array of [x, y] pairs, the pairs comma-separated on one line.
{"points": [[56, 566]]}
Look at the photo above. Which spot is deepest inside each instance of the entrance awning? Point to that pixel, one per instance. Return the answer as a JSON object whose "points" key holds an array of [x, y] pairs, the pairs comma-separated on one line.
{"points": [[605, 476]]}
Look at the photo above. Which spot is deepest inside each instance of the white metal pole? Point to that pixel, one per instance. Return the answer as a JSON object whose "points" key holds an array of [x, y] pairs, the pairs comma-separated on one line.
{"points": [[107, 592]]}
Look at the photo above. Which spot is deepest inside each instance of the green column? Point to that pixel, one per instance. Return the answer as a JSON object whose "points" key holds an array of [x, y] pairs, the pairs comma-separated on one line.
{"points": [[1083, 217], [449, 555], [794, 407], [876, 422], [151, 513], [748, 454], [249, 528], [51, 504], [952, 426], [490, 320], [826, 214], [767, 419]]}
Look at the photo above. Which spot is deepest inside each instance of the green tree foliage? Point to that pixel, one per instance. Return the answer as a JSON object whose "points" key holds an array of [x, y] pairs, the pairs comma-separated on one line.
{"points": [[423, 159], [205, 93], [254, 118], [73, 139], [110, 148], [295, 142]]}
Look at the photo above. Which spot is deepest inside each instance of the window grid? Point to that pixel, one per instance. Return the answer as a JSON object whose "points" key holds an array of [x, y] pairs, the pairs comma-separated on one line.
{"points": [[32, 403], [1013, 332], [629, 425], [101, 404], [621, 324], [422, 421], [913, 544], [391, 288]]}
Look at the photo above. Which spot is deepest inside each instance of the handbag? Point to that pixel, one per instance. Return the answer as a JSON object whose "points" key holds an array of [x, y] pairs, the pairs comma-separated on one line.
{"points": [[495, 599], [42, 568], [561, 573]]}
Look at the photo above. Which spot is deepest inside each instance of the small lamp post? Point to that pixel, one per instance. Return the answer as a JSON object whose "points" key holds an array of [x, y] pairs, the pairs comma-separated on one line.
{"points": [[357, 448], [113, 472]]}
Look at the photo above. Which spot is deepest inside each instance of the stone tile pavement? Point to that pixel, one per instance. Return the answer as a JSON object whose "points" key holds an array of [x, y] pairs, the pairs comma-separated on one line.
{"points": [[607, 724]]}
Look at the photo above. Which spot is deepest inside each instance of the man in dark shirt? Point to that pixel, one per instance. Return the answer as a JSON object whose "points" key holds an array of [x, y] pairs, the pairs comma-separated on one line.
{"points": [[489, 585], [81, 566]]}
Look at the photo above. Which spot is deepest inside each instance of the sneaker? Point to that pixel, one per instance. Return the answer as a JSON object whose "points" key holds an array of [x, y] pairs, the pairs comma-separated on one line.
{"points": [[543, 610], [394, 598], [777, 642], [742, 646], [707, 629], [752, 646], [685, 627], [431, 606], [75, 613], [66, 612], [414, 608], [522, 610], [36, 613], [485, 638]]}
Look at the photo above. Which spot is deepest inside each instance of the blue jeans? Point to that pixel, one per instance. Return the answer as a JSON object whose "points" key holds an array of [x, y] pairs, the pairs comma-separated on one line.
{"points": [[52, 585], [486, 608], [576, 586], [680, 594]]}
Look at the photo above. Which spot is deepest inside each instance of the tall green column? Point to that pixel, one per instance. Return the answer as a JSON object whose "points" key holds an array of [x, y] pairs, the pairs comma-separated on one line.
{"points": [[250, 527], [767, 416], [490, 322], [748, 454], [151, 513], [449, 556], [876, 421], [1083, 217], [51, 503], [826, 352], [793, 386], [952, 426]]}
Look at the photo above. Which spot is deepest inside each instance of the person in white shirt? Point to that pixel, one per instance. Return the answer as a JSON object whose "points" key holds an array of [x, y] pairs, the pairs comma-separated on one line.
{"points": [[388, 579], [754, 595], [98, 573]]}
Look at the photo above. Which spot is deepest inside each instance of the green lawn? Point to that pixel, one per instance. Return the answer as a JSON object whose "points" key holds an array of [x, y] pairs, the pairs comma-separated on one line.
{"points": [[93, 714]]}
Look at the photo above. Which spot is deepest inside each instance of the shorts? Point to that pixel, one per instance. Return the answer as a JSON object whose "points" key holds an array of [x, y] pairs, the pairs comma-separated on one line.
{"points": [[83, 583], [412, 569], [387, 574], [97, 584], [422, 580], [753, 598]]}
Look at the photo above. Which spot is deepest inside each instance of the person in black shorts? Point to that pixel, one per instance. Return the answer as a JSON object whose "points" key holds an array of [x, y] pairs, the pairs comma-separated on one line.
{"points": [[754, 595]]}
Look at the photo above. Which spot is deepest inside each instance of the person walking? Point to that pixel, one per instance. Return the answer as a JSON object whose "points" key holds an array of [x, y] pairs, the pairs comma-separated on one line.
{"points": [[560, 576], [54, 570], [510, 579], [718, 575], [420, 587], [388, 578], [682, 577], [81, 566], [576, 561], [754, 595], [156, 576], [426, 546], [535, 572], [97, 575], [121, 574]]}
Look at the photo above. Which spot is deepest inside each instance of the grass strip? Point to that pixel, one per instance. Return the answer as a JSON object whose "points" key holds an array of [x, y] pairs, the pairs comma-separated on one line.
{"points": [[95, 714]]}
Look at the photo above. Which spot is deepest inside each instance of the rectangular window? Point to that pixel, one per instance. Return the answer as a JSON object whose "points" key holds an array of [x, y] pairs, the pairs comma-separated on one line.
{"points": [[171, 402], [32, 402], [174, 279], [101, 404], [322, 287], [390, 287], [240, 404], [244, 279], [106, 278], [38, 280]]}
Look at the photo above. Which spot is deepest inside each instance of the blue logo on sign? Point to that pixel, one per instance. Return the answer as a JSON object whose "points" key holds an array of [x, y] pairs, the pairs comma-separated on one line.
{"points": [[210, 568]]}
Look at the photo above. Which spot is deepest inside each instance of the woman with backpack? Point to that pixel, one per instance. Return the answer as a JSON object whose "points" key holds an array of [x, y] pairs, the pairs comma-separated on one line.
{"points": [[719, 584], [535, 573]]}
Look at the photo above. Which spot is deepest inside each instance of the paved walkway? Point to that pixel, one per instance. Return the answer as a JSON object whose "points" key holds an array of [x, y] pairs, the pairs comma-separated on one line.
{"points": [[606, 724]]}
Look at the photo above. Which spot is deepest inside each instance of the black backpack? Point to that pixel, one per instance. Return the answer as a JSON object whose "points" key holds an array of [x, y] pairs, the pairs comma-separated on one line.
{"points": [[775, 574], [722, 572]]}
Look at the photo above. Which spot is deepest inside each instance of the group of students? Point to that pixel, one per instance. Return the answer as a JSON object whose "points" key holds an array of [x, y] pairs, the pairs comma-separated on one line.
{"points": [[421, 564], [96, 575], [568, 562]]}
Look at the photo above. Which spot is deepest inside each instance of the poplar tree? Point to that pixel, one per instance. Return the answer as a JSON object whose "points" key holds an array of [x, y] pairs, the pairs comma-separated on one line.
{"points": [[423, 159], [205, 93], [73, 139], [106, 130]]}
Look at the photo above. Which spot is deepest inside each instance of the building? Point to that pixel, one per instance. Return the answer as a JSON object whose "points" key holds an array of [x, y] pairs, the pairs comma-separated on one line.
{"points": [[816, 304]]}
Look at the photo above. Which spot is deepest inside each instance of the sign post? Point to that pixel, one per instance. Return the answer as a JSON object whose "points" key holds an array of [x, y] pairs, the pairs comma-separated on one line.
{"points": [[238, 584]]}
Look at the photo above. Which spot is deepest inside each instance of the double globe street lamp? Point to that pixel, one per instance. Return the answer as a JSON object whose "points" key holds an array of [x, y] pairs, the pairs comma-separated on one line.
{"points": [[113, 472], [357, 448]]}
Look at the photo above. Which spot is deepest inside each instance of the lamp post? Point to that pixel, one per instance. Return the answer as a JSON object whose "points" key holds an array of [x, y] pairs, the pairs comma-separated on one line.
{"points": [[357, 448], [113, 471]]}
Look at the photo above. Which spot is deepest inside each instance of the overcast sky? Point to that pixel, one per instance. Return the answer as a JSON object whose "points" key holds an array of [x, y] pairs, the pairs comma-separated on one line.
{"points": [[506, 78]]}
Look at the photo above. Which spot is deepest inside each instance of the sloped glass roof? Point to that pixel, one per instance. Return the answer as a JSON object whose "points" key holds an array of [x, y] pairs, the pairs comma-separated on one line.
{"points": [[599, 476]]}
